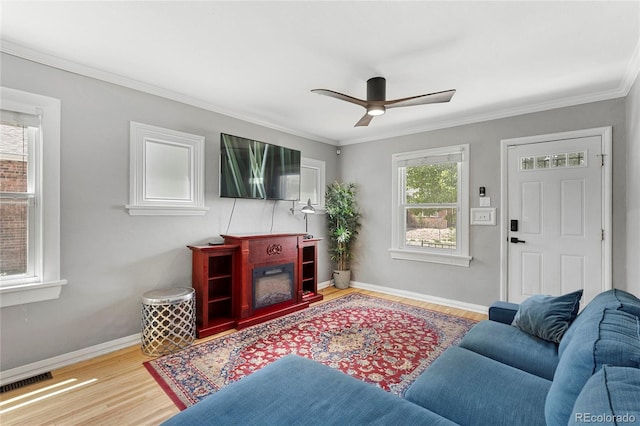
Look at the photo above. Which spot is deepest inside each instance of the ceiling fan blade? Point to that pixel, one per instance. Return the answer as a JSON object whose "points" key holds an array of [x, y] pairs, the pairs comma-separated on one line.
{"points": [[341, 96], [430, 98], [364, 121]]}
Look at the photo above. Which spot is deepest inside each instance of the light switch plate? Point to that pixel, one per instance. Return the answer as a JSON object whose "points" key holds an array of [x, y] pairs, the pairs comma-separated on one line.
{"points": [[483, 216], [485, 201]]}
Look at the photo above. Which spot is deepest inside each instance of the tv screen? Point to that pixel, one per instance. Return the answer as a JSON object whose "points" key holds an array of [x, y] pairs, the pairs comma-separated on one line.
{"points": [[253, 169]]}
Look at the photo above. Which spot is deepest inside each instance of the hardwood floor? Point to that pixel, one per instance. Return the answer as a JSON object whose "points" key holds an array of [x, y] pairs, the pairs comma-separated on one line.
{"points": [[116, 389]]}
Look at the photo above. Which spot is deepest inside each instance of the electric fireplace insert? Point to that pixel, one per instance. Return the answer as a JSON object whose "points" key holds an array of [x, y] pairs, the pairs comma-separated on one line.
{"points": [[272, 285]]}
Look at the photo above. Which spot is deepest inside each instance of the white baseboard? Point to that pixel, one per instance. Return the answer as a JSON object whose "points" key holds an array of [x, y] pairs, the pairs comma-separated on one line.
{"points": [[325, 284], [24, 372], [422, 297]]}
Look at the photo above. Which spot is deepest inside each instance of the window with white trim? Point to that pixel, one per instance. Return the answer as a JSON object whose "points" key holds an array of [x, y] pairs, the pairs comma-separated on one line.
{"points": [[312, 182], [431, 205], [166, 173], [29, 198], [19, 206]]}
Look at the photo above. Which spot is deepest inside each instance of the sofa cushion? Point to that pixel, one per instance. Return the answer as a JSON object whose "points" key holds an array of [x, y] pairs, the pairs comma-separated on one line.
{"points": [[296, 390], [613, 338], [612, 299], [509, 345], [611, 396], [548, 317], [471, 389]]}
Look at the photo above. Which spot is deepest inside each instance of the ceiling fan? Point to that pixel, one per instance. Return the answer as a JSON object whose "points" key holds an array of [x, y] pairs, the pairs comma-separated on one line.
{"points": [[376, 103]]}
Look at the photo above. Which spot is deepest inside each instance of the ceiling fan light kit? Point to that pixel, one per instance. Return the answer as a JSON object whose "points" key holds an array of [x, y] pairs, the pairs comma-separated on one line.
{"points": [[376, 103], [376, 109]]}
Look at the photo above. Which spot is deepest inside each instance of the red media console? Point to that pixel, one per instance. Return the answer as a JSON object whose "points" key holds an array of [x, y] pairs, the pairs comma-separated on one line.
{"points": [[253, 278]]}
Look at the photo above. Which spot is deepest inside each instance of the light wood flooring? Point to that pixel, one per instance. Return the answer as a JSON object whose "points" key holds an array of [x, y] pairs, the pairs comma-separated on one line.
{"points": [[116, 389]]}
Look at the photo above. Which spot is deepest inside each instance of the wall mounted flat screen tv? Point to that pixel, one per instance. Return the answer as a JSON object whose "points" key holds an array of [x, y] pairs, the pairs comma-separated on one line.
{"points": [[253, 169]]}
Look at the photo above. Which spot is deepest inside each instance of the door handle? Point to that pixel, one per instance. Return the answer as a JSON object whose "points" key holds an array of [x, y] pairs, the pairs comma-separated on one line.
{"points": [[515, 240]]}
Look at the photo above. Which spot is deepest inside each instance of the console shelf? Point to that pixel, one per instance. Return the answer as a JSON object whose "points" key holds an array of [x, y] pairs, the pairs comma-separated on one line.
{"points": [[309, 270], [213, 272]]}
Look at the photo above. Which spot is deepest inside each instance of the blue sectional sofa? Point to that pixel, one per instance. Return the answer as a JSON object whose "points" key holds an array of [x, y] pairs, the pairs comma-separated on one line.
{"points": [[497, 375]]}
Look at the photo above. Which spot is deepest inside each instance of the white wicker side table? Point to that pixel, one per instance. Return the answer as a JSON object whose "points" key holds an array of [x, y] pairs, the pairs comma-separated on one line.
{"points": [[168, 320]]}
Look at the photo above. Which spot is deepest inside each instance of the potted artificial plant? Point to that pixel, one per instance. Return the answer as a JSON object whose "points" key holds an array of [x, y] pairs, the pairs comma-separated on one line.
{"points": [[343, 222]]}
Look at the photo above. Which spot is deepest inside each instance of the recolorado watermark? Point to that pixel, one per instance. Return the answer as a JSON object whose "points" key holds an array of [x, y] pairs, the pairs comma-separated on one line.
{"points": [[604, 418]]}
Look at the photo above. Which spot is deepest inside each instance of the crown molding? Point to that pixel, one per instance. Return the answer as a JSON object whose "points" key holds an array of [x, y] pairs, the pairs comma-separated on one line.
{"points": [[462, 120], [23, 52], [632, 72], [630, 76]]}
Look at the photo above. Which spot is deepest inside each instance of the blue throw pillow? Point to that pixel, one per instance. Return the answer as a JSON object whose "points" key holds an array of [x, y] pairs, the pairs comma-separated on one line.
{"points": [[548, 317]]}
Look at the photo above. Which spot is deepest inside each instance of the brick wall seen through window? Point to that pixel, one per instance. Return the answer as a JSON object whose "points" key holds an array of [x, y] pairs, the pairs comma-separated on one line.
{"points": [[13, 211]]}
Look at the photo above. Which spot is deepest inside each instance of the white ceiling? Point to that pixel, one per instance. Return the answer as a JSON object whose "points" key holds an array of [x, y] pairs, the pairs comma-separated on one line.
{"points": [[259, 60]]}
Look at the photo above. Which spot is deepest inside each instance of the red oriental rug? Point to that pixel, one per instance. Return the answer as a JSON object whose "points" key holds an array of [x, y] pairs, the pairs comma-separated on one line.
{"points": [[385, 343]]}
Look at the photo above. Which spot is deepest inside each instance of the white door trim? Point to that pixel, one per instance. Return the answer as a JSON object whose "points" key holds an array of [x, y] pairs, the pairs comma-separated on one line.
{"points": [[605, 134]]}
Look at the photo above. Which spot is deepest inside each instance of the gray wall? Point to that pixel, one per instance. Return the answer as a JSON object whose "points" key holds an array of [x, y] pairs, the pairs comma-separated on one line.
{"points": [[480, 283], [109, 257], [633, 189]]}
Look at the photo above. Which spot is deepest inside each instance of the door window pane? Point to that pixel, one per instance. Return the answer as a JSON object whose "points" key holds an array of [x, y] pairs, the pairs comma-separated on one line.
{"points": [[527, 163], [542, 162], [575, 159], [559, 160]]}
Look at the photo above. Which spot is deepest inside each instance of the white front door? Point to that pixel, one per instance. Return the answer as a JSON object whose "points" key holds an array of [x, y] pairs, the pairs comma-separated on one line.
{"points": [[555, 218]]}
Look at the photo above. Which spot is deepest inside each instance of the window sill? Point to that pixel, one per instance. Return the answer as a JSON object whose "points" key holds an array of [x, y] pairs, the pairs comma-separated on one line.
{"points": [[420, 256], [21, 294], [166, 210]]}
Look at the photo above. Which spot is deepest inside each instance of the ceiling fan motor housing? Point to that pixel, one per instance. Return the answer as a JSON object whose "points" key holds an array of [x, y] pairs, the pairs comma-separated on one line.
{"points": [[376, 89]]}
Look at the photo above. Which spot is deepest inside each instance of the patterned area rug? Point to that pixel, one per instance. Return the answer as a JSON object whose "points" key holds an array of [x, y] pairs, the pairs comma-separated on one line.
{"points": [[381, 342]]}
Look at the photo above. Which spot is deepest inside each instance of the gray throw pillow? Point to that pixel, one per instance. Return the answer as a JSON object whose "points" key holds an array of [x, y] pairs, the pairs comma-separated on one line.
{"points": [[548, 317]]}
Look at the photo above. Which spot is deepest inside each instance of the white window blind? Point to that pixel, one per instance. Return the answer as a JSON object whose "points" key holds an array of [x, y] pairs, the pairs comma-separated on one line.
{"points": [[432, 159], [14, 118]]}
